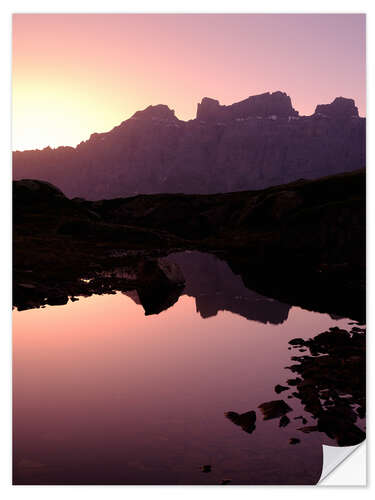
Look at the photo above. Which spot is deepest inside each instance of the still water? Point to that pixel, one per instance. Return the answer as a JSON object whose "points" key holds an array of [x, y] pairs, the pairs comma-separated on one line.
{"points": [[103, 394]]}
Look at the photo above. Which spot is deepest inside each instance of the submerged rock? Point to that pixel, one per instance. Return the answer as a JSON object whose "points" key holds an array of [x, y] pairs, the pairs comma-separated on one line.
{"points": [[274, 409], [294, 441], [225, 481], [245, 420], [280, 388], [294, 381], [206, 468], [284, 421], [298, 341], [307, 430]]}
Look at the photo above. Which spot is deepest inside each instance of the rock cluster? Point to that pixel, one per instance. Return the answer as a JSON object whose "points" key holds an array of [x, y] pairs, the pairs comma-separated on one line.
{"points": [[274, 409], [331, 385]]}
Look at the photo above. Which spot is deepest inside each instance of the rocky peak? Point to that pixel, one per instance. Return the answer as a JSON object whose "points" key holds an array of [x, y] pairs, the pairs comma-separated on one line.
{"points": [[208, 108], [268, 104], [340, 108], [158, 112], [248, 145]]}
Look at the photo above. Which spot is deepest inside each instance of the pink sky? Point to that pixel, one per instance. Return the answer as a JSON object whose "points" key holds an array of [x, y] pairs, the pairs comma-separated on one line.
{"points": [[82, 73]]}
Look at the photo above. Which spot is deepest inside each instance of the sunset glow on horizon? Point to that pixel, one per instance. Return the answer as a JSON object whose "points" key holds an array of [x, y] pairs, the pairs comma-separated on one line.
{"points": [[76, 74]]}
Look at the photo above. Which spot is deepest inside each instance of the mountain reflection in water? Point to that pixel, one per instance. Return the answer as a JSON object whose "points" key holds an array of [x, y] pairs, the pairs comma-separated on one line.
{"points": [[216, 288], [104, 394]]}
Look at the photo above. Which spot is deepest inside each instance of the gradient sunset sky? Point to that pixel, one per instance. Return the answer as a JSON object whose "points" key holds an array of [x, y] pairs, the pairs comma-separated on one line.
{"points": [[75, 74]]}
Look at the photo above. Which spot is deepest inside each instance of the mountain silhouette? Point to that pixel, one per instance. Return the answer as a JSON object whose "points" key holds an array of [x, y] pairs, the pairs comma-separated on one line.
{"points": [[256, 143]]}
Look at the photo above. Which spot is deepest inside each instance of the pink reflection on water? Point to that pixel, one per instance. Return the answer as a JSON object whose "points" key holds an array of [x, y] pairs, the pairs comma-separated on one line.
{"points": [[104, 394]]}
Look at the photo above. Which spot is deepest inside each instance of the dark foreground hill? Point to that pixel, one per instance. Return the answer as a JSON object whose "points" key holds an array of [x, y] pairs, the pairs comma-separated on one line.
{"points": [[256, 143], [303, 242]]}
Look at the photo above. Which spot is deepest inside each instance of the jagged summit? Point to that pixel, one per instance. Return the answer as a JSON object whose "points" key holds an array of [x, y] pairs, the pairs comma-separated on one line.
{"points": [[340, 108], [263, 105], [159, 112], [258, 142]]}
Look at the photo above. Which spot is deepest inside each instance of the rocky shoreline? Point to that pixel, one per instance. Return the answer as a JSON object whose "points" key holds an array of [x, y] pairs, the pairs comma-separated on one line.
{"points": [[330, 384], [303, 243]]}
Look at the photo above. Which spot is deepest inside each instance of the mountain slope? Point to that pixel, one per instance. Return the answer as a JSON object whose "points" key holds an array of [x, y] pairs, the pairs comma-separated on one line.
{"points": [[253, 144]]}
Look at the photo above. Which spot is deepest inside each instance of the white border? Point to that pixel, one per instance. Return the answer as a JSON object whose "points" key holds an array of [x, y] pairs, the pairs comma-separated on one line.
{"points": [[95, 6]]}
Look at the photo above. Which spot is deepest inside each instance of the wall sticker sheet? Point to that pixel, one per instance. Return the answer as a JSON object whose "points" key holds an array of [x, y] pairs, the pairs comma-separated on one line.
{"points": [[189, 247]]}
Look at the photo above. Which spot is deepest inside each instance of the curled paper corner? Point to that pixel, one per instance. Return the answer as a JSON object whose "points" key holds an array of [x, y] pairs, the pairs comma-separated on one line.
{"points": [[352, 472]]}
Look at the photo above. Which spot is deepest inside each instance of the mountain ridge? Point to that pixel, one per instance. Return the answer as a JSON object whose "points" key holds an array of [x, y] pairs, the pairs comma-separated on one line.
{"points": [[251, 144]]}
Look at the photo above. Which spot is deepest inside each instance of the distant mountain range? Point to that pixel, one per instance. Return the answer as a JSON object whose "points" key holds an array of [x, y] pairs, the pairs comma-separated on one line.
{"points": [[259, 142]]}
